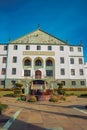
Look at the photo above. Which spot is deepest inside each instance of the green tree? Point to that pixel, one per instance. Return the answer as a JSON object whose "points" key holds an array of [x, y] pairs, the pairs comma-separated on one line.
{"points": [[60, 89], [18, 89]]}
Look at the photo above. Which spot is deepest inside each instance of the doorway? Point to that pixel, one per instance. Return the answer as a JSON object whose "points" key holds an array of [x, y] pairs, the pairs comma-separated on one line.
{"points": [[38, 74]]}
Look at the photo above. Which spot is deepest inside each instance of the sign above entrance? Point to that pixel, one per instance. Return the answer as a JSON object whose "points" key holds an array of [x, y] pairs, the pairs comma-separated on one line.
{"points": [[39, 53]]}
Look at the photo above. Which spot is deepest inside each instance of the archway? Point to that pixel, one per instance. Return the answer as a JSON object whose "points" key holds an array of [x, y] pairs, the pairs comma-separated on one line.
{"points": [[38, 74]]}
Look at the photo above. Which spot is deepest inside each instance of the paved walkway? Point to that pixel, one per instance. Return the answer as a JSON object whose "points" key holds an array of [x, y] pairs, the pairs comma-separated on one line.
{"points": [[47, 115]]}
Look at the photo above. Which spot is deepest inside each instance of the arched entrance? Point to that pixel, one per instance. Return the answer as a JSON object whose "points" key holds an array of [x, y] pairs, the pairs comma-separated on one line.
{"points": [[38, 74]]}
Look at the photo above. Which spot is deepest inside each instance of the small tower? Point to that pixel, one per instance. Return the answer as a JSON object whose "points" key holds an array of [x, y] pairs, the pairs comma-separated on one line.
{"points": [[66, 41], [38, 26], [81, 43], [9, 39]]}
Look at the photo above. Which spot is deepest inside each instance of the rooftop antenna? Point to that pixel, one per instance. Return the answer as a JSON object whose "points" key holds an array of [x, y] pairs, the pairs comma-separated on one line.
{"points": [[81, 43], [38, 26], [66, 41], [9, 39]]}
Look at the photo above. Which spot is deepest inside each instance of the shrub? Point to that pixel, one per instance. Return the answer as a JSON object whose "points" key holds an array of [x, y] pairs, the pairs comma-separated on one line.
{"points": [[53, 99], [18, 89], [19, 85], [9, 95], [23, 97], [32, 99], [60, 89], [2, 107], [83, 95], [63, 98], [75, 89]]}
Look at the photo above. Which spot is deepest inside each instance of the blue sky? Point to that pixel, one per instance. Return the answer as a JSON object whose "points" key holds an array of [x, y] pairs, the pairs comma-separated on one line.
{"points": [[65, 19]]}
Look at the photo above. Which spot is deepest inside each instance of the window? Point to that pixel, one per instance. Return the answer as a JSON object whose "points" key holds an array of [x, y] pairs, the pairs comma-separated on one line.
{"points": [[27, 47], [3, 71], [81, 72], [73, 83], [14, 59], [13, 71], [4, 59], [13, 82], [63, 82], [38, 47], [62, 71], [27, 72], [72, 71], [15, 47], [61, 48], [49, 63], [62, 60], [71, 48], [79, 49], [2, 82], [82, 82], [49, 47], [27, 62], [71, 60], [38, 63], [80, 61], [49, 72], [5, 48]]}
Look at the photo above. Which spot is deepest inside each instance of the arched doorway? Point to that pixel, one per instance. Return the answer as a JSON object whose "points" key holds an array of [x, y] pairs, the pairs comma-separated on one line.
{"points": [[38, 74]]}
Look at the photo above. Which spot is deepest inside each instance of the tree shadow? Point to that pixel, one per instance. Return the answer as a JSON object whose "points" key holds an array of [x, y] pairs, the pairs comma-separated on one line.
{"points": [[18, 124], [56, 113]]}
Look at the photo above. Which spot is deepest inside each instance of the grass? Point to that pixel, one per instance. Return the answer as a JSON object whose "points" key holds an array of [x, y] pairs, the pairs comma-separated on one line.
{"points": [[3, 93], [77, 93]]}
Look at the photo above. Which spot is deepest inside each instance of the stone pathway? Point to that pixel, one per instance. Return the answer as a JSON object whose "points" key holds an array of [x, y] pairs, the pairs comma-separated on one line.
{"points": [[47, 115]]}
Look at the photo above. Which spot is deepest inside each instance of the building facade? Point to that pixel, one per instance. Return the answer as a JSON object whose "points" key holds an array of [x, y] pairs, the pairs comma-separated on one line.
{"points": [[39, 55]]}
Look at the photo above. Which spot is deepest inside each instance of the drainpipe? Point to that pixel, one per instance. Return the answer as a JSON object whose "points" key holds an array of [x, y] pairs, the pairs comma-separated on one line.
{"points": [[6, 66]]}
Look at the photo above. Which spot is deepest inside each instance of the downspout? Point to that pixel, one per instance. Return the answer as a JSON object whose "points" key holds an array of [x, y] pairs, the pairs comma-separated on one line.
{"points": [[6, 65]]}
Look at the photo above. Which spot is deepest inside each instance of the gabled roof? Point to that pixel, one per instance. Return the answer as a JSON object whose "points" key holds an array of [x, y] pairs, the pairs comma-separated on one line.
{"points": [[39, 37]]}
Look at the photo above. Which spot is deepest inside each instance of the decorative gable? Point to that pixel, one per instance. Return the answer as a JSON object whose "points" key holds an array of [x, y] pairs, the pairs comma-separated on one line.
{"points": [[38, 37]]}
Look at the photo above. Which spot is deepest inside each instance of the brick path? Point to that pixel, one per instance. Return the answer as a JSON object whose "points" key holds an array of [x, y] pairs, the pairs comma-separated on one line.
{"points": [[45, 115]]}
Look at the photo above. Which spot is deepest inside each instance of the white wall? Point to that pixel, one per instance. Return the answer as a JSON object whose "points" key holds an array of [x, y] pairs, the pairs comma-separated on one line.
{"points": [[55, 48]]}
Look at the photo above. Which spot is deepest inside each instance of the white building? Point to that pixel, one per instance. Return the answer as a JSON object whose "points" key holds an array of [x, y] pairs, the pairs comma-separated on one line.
{"points": [[85, 70], [39, 55]]}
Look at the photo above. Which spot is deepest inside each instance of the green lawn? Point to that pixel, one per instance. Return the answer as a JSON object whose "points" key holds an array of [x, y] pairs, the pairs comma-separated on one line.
{"points": [[77, 93], [2, 93]]}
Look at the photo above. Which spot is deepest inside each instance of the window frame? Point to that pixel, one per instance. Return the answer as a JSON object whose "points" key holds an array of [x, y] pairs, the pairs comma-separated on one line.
{"points": [[14, 70], [61, 48], [14, 59], [27, 47], [5, 47], [71, 49], [27, 62], [49, 63], [15, 47], [38, 47], [82, 82], [79, 49], [73, 72], [62, 71], [3, 72], [49, 73], [71, 60], [3, 82], [4, 60], [49, 48], [62, 61], [73, 83], [81, 71], [38, 63], [27, 73], [80, 61]]}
